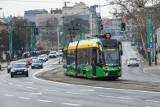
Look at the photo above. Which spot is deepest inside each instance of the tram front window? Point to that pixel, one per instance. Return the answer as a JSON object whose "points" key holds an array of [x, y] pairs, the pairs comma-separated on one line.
{"points": [[111, 57]]}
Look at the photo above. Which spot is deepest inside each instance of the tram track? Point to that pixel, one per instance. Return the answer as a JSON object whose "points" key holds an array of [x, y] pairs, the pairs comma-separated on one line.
{"points": [[58, 75]]}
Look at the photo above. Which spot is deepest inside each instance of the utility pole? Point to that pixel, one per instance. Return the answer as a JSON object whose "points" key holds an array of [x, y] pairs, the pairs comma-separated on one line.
{"points": [[149, 36], [32, 39], [10, 39]]}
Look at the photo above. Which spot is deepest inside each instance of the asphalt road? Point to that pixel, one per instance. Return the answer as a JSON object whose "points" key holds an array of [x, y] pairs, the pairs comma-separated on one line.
{"points": [[33, 92]]}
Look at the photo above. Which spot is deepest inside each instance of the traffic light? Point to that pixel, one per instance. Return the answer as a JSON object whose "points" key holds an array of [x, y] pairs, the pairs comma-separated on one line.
{"points": [[36, 31], [123, 26], [101, 27]]}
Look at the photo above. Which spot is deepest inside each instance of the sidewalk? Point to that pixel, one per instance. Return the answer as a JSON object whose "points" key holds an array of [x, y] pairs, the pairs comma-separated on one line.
{"points": [[153, 70], [4, 64]]}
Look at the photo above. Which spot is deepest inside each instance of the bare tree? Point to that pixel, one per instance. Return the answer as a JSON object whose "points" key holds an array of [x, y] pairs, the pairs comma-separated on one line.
{"points": [[133, 10]]}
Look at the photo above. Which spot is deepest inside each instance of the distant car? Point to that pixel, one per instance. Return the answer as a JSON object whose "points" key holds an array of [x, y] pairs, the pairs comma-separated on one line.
{"points": [[53, 54], [37, 64], [133, 62], [43, 58], [19, 69], [133, 43], [29, 61], [59, 52], [9, 67]]}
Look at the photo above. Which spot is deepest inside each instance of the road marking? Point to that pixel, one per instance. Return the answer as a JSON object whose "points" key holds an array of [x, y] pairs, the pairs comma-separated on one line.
{"points": [[87, 90], [32, 88], [47, 101], [25, 98], [71, 104], [4, 80], [153, 101], [10, 83], [33, 93], [18, 85], [8, 95], [50, 90], [123, 98], [28, 82], [75, 93]]}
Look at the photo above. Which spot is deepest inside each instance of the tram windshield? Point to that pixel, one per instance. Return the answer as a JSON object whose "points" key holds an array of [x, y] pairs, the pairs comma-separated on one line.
{"points": [[111, 57]]}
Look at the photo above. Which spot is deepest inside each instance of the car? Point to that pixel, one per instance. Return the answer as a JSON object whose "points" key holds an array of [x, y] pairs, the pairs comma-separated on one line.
{"points": [[9, 67], [43, 58], [29, 61], [37, 64], [133, 62], [19, 69], [59, 52], [53, 54], [133, 43]]}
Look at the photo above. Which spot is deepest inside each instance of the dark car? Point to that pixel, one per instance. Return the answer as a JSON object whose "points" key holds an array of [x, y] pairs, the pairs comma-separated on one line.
{"points": [[19, 68], [37, 64]]}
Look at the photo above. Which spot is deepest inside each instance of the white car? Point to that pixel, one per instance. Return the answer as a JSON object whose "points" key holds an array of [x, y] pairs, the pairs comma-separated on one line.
{"points": [[53, 54], [43, 57], [59, 52], [133, 62]]}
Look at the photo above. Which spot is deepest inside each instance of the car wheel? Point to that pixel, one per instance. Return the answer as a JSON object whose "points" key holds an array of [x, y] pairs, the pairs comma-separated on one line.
{"points": [[27, 74], [12, 75], [8, 71], [32, 67]]}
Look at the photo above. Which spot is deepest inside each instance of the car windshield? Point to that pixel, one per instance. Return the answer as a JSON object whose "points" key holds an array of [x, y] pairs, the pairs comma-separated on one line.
{"points": [[52, 52], [133, 59], [19, 65], [36, 61]]}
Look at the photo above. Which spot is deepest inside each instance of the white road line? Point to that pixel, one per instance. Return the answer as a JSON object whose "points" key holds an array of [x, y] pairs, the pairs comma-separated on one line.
{"points": [[10, 83], [76, 93], [28, 82], [123, 98], [32, 88], [71, 104], [50, 90], [18, 85], [8, 95], [24, 98], [153, 101], [87, 90], [33, 93], [46, 101]]}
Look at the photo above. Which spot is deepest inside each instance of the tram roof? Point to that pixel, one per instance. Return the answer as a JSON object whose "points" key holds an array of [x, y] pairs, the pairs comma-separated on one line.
{"points": [[88, 43]]}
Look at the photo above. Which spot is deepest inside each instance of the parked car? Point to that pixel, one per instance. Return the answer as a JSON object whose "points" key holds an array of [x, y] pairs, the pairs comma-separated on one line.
{"points": [[133, 43], [133, 62], [19, 69], [37, 64], [53, 54]]}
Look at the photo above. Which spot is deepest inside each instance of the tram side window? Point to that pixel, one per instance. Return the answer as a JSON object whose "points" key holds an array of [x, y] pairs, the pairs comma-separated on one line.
{"points": [[71, 54], [84, 56]]}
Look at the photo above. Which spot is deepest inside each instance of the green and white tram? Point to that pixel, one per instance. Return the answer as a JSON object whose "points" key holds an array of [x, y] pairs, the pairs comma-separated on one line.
{"points": [[93, 58]]}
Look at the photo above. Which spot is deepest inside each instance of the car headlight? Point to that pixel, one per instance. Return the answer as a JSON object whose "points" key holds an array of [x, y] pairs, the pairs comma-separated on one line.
{"points": [[25, 70], [12, 70]]}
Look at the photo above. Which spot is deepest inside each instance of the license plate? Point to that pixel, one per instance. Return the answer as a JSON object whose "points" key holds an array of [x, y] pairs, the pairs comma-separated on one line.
{"points": [[19, 72]]}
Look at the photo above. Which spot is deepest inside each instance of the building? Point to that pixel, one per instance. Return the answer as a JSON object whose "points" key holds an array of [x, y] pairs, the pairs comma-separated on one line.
{"points": [[112, 26], [74, 22], [31, 14]]}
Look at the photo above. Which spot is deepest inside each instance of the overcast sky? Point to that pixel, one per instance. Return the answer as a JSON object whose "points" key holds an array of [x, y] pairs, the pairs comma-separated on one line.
{"points": [[17, 7]]}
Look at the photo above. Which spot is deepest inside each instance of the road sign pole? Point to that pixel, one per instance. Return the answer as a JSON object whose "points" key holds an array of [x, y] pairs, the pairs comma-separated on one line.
{"points": [[32, 40]]}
